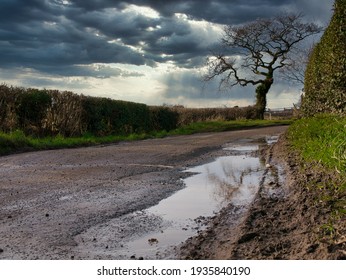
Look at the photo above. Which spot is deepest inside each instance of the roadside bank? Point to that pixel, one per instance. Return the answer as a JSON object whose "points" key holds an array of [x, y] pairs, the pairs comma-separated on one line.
{"points": [[291, 225]]}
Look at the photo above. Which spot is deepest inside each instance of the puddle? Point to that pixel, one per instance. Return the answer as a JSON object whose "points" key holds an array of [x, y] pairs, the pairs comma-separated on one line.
{"points": [[155, 232], [272, 139], [239, 148], [229, 179]]}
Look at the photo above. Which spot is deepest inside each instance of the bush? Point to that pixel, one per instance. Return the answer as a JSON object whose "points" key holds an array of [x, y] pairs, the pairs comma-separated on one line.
{"points": [[31, 109], [8, 103], [64, 116], [52, 113], [163, 118], [192, 115], [325, 77], [103, 116]]}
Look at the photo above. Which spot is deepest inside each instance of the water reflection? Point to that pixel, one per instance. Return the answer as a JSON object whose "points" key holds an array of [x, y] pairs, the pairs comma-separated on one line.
{"points": [[229, 179], [232, 179]]}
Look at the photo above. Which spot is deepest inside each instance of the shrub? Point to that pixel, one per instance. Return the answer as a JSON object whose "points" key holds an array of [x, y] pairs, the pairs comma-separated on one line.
{"points": [[64, 116], [325, 77], [8, 103], [192, 115], [103, 116], [51, 113], [163, 118], [31, 109]]}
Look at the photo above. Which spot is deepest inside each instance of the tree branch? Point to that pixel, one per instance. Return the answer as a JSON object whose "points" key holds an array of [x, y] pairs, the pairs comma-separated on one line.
{"points": [[262, 47]]}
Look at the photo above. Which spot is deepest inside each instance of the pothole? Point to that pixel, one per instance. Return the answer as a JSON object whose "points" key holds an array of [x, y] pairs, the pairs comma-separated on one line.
{"points": [[233, 179]]}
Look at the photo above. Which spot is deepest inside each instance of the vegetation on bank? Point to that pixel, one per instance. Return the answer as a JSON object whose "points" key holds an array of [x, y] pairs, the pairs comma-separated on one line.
{"points": [[18, 142], [320, 138], [321, 143], [325, 76]]}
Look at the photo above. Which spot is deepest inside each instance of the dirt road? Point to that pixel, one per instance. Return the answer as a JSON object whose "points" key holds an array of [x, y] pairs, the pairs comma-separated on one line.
{"points": [[51, 200]]}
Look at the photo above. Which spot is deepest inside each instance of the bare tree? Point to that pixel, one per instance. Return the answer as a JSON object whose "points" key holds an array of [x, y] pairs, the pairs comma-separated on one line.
{"points": [[297, 61], [254, 51]]}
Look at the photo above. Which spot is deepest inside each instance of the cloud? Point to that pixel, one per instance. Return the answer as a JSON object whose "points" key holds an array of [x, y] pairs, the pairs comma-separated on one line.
{"points": [[217, 11], [105, 40], [62, 44], [37, 33], [45, 33]]}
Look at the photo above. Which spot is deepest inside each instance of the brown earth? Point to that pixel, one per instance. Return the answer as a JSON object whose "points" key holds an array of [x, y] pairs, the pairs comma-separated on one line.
{"points": [[287, 224]]}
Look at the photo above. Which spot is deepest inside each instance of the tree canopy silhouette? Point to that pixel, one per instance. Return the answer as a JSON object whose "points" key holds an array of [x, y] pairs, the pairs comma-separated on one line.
{"points": [[251, 53]]}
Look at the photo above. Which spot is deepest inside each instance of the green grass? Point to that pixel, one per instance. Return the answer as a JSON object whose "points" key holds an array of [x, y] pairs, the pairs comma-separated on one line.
{"points": [[321, 143], [219, 126], [18, 142], [13, 142], [321, 139]]}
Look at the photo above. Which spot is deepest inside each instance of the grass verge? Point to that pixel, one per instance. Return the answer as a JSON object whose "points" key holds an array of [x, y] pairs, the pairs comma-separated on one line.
{"points": [[18, 142], [321, 144], [321, 139], [219, 126]]}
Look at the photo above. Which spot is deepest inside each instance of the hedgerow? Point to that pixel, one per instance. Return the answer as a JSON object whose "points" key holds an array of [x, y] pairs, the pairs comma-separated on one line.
{"points": [[325, 77], [39, 112]]}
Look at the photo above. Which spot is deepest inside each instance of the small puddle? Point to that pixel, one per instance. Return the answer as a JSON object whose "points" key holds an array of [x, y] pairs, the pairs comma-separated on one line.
{"points": [[231, 179]]}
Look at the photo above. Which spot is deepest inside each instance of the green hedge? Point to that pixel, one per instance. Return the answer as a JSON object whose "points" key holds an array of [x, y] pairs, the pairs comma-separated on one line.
{"points": [[163, 118], [8, 104], [105, 116], [192, 115], [325, 77], [51, 112], [31, 109]]}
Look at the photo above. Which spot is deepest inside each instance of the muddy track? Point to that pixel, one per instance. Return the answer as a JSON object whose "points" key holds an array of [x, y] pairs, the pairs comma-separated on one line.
{"points": [[51, 201], [283, 222]]}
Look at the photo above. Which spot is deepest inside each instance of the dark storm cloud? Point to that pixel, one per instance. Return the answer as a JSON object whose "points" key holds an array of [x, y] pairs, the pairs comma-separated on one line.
{"points": [[65, 37], [19, 11], [217, 11], [39, 44]]}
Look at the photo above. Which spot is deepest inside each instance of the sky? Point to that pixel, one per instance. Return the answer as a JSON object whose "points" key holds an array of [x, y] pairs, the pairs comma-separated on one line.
{"points": [[146, 51]]}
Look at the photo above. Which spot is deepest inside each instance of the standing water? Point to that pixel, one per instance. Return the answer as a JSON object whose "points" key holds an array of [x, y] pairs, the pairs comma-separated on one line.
{"points": [[231, 179]]}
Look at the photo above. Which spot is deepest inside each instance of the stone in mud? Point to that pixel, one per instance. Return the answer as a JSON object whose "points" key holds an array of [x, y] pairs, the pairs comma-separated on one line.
{"points": [[153, 241], [247, 237], [312, 248]]}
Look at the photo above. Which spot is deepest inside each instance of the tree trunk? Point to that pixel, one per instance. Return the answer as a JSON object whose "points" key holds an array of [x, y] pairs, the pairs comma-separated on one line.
{"points": [[261, 97]]}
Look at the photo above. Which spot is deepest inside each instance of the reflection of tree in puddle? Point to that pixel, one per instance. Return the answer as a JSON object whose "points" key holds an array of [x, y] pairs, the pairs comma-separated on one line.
{"points": [[237, 179]]}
